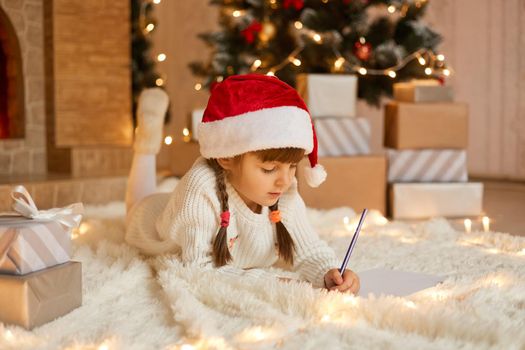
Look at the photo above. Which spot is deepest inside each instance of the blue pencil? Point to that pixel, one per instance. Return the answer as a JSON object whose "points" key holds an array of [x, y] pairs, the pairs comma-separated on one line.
{"points": [[353, 242]]}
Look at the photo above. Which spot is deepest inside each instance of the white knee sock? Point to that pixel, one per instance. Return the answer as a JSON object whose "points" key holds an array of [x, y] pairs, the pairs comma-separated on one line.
{"points": [[151, 109], [142, 179]]}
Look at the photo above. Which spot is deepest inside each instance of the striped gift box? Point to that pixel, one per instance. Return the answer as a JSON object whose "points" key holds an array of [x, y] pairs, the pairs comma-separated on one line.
{"points": [[31, 245], [342, 136], [427, 165]]}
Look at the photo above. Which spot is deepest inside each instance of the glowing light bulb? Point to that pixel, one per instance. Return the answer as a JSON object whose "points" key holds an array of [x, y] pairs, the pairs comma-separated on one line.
{"points": [[257, 63], [468, 225], [156, 2], [428, 71], [296, 62], [161, 57], [236, 13], [339, 62], [198, 86], [392, 74], [362, 40], [446, 72], [362, 71], [271, 74], [441, 57], [150, 27], [159, 82], [325, 318], [391, 9], [486, 223], [83, 228], [186, 135], [220, 78], [168, 140], [422, 61], [298, 25], [103, 346], [410, 304], [258, 334], [317, 37]]}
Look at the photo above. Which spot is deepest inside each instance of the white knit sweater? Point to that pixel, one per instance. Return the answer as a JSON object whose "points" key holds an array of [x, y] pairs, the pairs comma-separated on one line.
{"points": [[188, 220]]}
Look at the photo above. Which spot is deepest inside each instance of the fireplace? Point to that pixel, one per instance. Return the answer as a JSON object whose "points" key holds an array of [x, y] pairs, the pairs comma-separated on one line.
{"points": [[65, 106], [12, 122], [22, 89]]}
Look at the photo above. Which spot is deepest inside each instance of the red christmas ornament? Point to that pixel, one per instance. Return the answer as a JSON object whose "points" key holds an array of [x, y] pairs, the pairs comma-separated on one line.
{"points": [[297, 4], [362, 51], [249, 33]]}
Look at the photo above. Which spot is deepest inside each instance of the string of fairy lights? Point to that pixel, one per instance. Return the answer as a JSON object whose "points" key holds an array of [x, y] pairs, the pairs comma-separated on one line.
{"points": [[434, 63], [147, 29]]}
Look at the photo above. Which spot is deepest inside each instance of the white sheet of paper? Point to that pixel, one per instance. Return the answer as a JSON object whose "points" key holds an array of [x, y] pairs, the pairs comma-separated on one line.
{"points": [[394, 282]]}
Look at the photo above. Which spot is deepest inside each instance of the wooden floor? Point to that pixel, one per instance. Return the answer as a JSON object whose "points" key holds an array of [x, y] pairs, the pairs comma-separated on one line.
{"points": [[504, 204]]}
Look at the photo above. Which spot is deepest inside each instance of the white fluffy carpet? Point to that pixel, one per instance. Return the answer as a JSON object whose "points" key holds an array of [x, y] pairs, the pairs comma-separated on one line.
{"points": [[134, 303]]}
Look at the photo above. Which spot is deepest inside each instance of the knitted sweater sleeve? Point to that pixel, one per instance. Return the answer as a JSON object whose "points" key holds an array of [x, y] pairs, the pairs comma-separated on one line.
{"points": [[313, 257], [191, 219]]}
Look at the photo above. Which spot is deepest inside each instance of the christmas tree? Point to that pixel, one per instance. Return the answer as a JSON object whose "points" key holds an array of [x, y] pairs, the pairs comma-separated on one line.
{"points": [[383, 41], [143, 66]]}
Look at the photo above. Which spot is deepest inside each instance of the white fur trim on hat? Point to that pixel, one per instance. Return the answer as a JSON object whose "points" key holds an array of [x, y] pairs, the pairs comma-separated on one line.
{"points": [[276, 127], [315, 176]]}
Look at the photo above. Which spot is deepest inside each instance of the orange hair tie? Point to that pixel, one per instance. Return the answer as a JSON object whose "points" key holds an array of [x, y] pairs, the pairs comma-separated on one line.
{"points": [[275, 216]]}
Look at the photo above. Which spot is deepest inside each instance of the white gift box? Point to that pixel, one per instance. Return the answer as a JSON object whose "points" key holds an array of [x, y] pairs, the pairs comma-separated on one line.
{"points": [[429, 165], [342, 136], [328, 95], [196, 118], [424, 200]]}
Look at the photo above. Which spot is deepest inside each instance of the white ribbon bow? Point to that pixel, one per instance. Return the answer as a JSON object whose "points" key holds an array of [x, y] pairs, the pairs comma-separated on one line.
{"points": [[23, 204]]}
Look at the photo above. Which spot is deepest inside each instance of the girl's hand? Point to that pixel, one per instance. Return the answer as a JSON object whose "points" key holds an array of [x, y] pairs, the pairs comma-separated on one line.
{"points": [[349, 282]]}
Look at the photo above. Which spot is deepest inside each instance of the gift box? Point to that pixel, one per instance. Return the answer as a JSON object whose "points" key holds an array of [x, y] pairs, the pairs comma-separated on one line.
{"points": [[39, 297], [422, 91], [427, 165], [31, 245], [357, 182], [342, 136], [32, 239], [424, 200], [426, 125], [328, 95], [196, 119]]}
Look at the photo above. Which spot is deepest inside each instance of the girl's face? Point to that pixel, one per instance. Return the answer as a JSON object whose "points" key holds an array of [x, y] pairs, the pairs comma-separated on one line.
{"points": [[259, 183]]}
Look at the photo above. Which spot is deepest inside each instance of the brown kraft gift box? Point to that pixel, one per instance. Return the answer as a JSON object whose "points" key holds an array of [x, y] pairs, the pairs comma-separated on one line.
{"points": [[357, 182], [426, 125], [37, 298]]}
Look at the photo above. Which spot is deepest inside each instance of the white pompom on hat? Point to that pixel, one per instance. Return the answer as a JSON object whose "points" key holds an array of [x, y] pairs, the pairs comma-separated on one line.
{"points": [[253, 112]]}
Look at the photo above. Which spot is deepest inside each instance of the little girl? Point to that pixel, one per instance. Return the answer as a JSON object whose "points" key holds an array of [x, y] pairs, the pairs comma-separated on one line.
{"points": [[237, 209]]}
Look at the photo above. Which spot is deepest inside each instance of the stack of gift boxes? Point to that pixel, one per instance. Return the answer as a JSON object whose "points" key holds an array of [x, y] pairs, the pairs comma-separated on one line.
{"points": [[426, 136], [356, 178], [38, 282]]}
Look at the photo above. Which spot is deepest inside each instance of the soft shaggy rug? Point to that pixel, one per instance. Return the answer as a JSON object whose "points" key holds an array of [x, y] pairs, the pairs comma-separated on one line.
{"points": [[135, 303]]}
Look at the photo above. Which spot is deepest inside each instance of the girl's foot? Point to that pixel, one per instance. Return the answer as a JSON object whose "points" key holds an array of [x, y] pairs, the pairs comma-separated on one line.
{"points": [[151, 109]]}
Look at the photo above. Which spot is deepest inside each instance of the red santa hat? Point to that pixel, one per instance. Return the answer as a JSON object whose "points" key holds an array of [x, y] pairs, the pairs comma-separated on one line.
{"points": [[253, 112]]}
